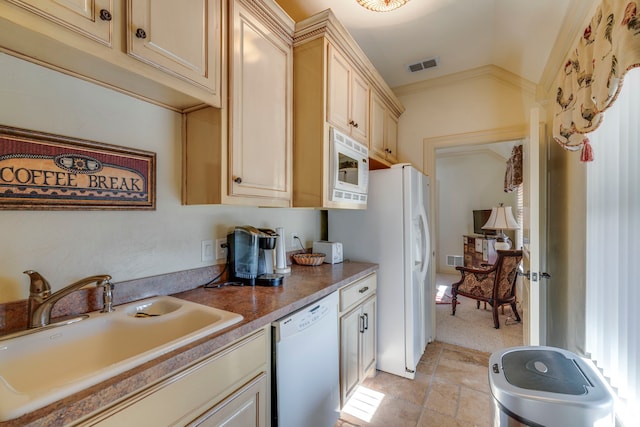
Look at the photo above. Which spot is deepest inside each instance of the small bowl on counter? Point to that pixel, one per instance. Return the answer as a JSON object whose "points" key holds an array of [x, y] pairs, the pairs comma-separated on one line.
{"points": [[308, 259]]}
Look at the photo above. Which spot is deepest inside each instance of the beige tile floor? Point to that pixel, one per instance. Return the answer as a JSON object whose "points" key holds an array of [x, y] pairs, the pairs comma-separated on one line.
{"points": [[451, 388]]}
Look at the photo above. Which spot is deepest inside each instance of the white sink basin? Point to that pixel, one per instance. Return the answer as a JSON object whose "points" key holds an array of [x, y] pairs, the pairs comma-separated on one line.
{"points": [[42, 367]]}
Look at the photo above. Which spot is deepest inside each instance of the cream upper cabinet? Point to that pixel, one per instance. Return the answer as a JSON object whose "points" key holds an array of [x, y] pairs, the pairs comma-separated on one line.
{"points": [[347, 97], [161, 51], [181, 38], [90, 18], [333, 80], [241, 154], [391, 137], [383, 143], [261, 82]]}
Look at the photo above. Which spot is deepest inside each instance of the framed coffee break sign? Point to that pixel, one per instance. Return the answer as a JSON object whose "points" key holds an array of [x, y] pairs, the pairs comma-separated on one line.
{"points": [[44, 171]]}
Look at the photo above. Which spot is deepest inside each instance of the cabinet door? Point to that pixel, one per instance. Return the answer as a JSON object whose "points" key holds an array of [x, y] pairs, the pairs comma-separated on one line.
{"points": [[181, 38], [261, 94], [391, 137], [350, 325], [378, 128], [359, 108], [338, 83], [244, 408], [91, 18], [368, 338]]}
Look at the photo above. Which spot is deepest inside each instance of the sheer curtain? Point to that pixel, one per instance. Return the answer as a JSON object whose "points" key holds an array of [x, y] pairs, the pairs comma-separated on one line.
{"points": [[613, 247]]}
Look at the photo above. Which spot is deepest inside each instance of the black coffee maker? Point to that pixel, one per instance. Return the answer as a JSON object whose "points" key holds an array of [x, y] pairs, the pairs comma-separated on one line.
{"points": [[251, 256]]}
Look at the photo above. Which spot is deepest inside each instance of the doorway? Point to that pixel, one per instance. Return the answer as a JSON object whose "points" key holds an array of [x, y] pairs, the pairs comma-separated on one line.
{"points": [[469, 174]]}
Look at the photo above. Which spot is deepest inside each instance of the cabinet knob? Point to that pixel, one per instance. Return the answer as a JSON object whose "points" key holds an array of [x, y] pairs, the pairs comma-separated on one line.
{"points": [[105, 15], [352, 123], [238, 180], [141, 34]]}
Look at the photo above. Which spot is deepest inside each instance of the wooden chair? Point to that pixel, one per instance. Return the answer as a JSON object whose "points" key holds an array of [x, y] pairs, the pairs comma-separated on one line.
{"points": [[494, 284]]}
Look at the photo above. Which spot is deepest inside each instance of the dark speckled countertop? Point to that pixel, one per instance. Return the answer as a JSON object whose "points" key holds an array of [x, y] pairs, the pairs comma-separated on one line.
{"points": [[258, 305]]}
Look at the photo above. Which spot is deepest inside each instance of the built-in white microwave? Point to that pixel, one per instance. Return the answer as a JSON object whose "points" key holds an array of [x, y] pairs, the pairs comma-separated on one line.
{"points": [[349, 169]]}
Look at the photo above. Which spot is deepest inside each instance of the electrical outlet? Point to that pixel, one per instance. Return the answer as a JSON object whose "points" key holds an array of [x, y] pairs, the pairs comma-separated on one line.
{"points": [[294, 242], [206, 254], [221, 248]]}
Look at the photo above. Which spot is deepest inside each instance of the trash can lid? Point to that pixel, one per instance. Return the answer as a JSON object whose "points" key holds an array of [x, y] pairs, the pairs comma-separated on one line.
{"points": [[549, 386], [544, 370]]}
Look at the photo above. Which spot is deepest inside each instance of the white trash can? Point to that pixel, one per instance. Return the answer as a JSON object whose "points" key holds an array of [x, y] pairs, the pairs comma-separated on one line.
{"points": [[548, 386]]}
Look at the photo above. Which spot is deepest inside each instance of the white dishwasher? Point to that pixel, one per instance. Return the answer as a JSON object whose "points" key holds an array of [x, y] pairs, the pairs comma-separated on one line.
{"points": [[306, 383]]}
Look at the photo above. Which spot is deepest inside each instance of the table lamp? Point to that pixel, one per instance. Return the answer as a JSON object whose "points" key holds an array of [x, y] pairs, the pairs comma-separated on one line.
{"points": [[501, 219]]}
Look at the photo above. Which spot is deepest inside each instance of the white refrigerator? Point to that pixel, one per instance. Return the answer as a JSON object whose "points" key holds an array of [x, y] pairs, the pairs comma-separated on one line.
{"points": [[394, 233]]}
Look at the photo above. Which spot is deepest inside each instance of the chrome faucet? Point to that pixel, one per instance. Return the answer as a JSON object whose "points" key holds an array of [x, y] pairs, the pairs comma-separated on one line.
{"points": [[41, 300]]}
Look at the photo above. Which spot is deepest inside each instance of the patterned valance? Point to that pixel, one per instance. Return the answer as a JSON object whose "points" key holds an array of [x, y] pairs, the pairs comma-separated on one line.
{"points": [[513, 174], [592, 76]]}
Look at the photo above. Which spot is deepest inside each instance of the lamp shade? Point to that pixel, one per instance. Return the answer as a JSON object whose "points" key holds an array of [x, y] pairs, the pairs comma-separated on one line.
{"points": [[501, 218]]}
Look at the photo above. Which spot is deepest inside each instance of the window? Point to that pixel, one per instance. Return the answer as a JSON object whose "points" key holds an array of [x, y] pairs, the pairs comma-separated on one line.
{"points": [[519, 243], [613, 238]]}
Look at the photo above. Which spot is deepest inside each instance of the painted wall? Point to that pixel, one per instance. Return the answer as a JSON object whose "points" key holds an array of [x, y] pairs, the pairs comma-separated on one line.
{"points": [[67, 245], [465, 181], [566, 258], [479, 100]]}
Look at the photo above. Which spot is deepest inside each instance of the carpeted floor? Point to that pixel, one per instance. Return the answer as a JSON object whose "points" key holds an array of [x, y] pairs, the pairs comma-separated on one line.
{"points": [[472, 327]]}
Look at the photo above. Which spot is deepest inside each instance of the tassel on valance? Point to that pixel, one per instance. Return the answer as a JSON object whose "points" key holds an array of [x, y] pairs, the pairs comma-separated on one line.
{"points": [[586, 155], [592, 77]]}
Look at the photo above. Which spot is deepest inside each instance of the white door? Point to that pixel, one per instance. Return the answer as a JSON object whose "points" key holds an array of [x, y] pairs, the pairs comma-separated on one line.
{"points": [[534, 289]]}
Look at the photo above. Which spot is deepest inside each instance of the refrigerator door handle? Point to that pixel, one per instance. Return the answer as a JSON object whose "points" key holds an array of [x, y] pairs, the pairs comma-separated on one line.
{"points": [[426, 243]]}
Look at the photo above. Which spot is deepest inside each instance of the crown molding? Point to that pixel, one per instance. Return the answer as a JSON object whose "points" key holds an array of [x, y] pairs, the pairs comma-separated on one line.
{"points": [[486, 71], [273, 16]]}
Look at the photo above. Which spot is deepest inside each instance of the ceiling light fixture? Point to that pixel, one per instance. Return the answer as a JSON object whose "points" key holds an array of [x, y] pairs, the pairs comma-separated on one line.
{"points": [[381, 5]]}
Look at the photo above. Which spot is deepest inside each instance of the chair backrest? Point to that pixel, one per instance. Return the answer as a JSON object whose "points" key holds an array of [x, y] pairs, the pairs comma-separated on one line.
{"points": [[507, 271]]}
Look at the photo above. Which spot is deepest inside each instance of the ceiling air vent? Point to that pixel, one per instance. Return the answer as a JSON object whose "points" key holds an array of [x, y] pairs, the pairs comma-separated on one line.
{"points": [[425, 64]]}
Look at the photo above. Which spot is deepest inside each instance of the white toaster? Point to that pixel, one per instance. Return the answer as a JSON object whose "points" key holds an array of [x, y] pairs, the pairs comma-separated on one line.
{"points": [[332, 251]]}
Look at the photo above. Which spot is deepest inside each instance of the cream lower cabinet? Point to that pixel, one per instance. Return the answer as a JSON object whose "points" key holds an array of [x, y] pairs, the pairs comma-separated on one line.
{"points": [[357, 334], [242, 154], [383, 142], [229, 388]]}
